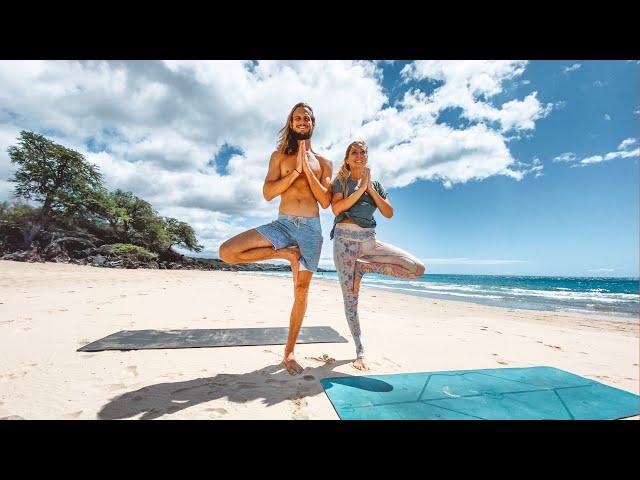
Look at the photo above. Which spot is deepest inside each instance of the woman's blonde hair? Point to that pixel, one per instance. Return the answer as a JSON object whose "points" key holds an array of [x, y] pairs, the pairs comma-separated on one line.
{"points": [[286, 142], [344, 172]]}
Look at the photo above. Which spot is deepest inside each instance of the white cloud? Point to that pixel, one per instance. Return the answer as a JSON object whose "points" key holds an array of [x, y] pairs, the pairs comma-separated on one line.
{"points": [[571, 68], [625, 150], [155, 127], [602, 270], [599, 83], [470, 85], [534, 167], [592, 159], [622, 152], [566, 157], [607, 116], [626, 143]]}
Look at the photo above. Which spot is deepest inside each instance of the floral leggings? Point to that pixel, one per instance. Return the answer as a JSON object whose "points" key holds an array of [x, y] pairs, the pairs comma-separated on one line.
{"points": [[355, 252]]}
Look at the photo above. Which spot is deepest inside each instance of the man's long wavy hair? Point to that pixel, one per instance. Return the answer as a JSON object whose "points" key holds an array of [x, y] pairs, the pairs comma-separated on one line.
{"points": [[344, 172], [287, 144]]}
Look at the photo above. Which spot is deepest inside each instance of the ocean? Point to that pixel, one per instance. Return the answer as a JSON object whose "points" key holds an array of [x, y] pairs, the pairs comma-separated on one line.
{"points": [[596, 295]]}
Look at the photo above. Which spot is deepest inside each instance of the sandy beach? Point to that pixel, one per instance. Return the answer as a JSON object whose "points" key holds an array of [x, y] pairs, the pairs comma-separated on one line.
{"points": [[48, 311]]}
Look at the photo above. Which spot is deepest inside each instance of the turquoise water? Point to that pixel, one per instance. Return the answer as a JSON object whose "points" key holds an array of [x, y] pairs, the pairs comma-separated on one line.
{"points": [[597, 295]]}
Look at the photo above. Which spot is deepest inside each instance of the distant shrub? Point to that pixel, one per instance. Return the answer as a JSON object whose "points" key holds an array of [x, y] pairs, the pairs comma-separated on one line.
{"points": [[126, 248]]}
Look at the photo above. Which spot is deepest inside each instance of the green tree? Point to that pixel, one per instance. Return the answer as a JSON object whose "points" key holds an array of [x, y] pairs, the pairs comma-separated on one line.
{"points": [[55, 175], [181, 234], [131, 219]]}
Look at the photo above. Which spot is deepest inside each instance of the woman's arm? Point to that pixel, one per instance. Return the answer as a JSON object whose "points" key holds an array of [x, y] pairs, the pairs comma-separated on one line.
{"points": [[341, 204], [383, 204]]}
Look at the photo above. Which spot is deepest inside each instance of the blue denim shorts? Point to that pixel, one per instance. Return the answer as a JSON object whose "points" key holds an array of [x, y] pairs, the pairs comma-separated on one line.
{"points": [[302, 232]]}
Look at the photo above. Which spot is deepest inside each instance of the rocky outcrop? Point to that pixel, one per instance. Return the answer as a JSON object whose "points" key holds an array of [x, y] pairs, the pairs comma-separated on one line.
{"points": [[79, 248]]}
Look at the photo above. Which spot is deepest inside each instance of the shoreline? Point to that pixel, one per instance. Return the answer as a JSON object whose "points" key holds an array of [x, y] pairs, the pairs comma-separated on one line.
{"points": [[48, 311], [633, 319]]}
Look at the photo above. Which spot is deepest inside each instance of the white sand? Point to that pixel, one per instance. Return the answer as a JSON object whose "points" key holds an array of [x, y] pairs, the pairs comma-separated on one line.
{"points": [[48, 311]]}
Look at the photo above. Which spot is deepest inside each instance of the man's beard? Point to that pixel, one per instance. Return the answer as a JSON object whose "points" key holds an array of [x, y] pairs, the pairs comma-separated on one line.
{"points": [[300, 136]]}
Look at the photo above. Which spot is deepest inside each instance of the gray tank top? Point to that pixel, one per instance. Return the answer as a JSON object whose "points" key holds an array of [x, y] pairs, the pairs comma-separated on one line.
{"points": [[362, 211]]}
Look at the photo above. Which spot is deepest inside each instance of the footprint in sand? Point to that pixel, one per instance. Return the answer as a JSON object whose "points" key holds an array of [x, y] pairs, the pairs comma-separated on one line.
{"points": [[389, 360], [501, 362], [216, 412], [133, 369], [273, 380], [324, 358], [299, 404], [116, 386], [309, 378], [553, 346], [72, 414]]}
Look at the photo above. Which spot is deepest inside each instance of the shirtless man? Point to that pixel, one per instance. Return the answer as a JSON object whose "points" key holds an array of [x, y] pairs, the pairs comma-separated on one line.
{"points": [[302, 178]]}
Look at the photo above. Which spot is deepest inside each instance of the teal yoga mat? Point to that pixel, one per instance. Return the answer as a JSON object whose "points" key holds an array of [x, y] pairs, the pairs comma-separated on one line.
{"points": [[536, 393]]}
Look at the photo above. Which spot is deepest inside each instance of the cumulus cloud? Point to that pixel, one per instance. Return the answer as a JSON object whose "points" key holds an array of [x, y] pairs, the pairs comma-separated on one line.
{"points": [[471, 85], [156, 128]]}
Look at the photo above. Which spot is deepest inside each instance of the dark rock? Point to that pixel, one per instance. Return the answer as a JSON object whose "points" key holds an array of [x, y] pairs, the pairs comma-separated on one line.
{"points": [[52, 250], [97, 260], [61, 258], [20, 256]]}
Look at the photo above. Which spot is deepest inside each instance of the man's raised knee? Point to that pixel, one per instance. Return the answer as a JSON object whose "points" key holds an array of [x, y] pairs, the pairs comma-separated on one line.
{"points": [[227, 253], [420, 269]]}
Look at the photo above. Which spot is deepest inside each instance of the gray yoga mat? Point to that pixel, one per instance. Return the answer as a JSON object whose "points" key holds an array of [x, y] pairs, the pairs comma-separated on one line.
{"points": [[222, 337]]}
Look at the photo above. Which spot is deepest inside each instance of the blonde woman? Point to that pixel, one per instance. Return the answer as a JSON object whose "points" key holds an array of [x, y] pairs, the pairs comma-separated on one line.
{"points": [[356, 250]]}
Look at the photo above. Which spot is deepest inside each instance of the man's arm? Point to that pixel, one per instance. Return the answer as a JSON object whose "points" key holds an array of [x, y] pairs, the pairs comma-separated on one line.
{"points": [[273, 184], [321, 189]]}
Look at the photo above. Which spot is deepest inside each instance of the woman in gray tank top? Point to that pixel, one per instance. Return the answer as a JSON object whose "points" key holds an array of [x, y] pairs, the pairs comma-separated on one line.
{"points": [[356, 250]]}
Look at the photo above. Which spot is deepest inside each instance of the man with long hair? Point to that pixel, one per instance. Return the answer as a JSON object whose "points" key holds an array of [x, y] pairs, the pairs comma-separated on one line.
{"points": [[302, 179]]}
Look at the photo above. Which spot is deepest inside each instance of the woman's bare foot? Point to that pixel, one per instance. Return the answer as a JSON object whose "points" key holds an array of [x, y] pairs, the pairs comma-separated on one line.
{"points": [[359, 364], [293, 256], [292, 366]]}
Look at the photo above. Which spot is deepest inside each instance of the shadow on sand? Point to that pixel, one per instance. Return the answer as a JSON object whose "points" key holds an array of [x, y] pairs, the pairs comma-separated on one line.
{"points": [[272, 384]]}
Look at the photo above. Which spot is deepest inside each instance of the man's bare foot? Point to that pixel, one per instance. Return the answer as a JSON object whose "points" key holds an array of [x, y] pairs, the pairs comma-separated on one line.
{"points": [[293, 255], [293, 367], [359, 364]]}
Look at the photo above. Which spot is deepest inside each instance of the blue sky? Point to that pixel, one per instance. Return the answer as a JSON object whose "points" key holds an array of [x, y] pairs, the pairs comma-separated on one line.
{"points": [[493, 167]]}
